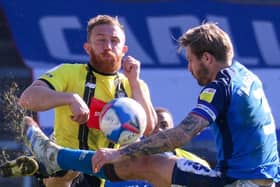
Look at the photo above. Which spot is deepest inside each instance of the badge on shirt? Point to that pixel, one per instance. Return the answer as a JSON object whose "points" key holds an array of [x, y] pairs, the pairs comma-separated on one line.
{"points": [[207, 94]]}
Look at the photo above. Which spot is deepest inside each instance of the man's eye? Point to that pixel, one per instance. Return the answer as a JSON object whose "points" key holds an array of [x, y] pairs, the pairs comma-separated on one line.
{"points": [[115, 40], [101, 40]]}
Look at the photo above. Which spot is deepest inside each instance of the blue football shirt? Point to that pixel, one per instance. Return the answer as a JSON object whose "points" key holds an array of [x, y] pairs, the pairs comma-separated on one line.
{"points": [[243, 125]]}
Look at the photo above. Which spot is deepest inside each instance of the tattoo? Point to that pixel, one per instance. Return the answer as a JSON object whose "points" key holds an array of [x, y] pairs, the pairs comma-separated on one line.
{"points": [[193, 124], [150, 145], [167, 140]]}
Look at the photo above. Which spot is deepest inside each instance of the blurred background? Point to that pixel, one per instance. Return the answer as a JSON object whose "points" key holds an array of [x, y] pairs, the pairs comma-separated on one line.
{"points": [[38, 35]]}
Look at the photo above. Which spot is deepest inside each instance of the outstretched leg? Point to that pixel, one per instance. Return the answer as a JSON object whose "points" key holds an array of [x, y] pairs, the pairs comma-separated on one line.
{"points": [[156, 169], [40, 145], [53, 157]]}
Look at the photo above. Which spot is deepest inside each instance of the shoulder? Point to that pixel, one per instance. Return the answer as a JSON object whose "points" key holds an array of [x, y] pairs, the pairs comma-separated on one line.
{"points": [[222, 83], [64, 72], [76, 66], [215, 89], [67, 67]]}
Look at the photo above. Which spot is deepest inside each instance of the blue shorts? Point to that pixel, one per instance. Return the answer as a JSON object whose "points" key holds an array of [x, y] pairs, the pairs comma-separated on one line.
{"points": [[189, 173]]}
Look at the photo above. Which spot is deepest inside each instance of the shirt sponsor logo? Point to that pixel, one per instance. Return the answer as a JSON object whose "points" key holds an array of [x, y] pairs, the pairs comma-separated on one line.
{"points": [[207, 94]]}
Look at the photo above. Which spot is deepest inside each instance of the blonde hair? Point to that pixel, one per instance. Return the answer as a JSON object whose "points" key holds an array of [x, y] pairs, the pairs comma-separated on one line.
{"points": [[208, 37], [101, 20]]}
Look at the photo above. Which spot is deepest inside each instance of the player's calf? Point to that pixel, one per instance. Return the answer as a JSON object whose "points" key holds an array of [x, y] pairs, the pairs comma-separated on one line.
{"points": [[40, 145]]}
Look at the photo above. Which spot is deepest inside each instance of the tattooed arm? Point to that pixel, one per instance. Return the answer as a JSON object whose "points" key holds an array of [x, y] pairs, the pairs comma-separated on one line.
{"points": [[163, 141], [167, 140]]}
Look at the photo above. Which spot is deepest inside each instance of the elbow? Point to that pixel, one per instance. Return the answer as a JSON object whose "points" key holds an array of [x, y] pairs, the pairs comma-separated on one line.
{"points": [[26, 102], [23, 101]]}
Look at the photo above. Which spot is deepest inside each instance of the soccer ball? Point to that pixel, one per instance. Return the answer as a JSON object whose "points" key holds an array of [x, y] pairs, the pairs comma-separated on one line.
{"points": [[123, 120]]}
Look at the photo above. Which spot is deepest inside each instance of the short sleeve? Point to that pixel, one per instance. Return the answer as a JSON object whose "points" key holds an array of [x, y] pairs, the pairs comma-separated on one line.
{"points": [[211, 101], [56, 77]]}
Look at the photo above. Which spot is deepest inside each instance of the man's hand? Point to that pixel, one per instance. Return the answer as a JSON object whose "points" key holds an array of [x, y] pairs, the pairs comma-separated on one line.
{"points": [[104, 156], [131, 68], [80, 110]]}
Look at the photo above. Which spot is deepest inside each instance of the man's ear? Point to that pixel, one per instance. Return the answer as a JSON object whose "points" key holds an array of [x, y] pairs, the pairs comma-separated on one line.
{"points": [[207, 57], [125, 49], [87, 48]]}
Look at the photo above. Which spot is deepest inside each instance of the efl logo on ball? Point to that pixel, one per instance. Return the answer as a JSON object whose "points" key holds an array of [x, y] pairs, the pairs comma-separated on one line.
{"points": [[123, 120]]}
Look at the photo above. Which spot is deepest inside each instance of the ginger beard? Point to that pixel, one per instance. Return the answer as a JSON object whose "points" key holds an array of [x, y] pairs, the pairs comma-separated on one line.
{"points": [[106, 62]]}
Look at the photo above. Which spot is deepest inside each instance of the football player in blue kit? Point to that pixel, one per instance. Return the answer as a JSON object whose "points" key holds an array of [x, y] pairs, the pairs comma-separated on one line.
{"points": [[232, 102]]}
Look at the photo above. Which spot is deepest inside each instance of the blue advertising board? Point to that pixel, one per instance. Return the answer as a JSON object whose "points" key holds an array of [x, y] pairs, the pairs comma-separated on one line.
{"points": [[54, 31]]}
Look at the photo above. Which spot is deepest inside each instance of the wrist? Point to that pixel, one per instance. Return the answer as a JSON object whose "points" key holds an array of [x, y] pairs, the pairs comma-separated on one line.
{"points": [[134, 83], [69, 98]]}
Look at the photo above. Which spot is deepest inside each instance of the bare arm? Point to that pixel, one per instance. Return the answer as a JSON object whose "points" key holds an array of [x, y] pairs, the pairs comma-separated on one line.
{"points": [[40, 97], [132, 70], [163, 141], [167, 140], [144, 100]]}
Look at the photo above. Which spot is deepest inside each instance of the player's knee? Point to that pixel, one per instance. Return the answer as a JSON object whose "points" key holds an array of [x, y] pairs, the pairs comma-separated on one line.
{"points": [[152, 164], [143, 164], [133, 167]]}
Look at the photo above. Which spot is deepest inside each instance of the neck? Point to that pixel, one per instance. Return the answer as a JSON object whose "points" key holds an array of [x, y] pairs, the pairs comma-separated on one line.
{"points": [[91, 68], [218, 66]]}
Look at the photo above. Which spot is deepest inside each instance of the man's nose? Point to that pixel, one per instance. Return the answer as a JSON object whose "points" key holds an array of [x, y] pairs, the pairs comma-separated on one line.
{"points": [[108, 45]]}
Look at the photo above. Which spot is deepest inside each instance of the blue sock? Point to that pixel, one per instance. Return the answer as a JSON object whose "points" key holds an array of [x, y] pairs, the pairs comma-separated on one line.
{"points": [[78, 160]]}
